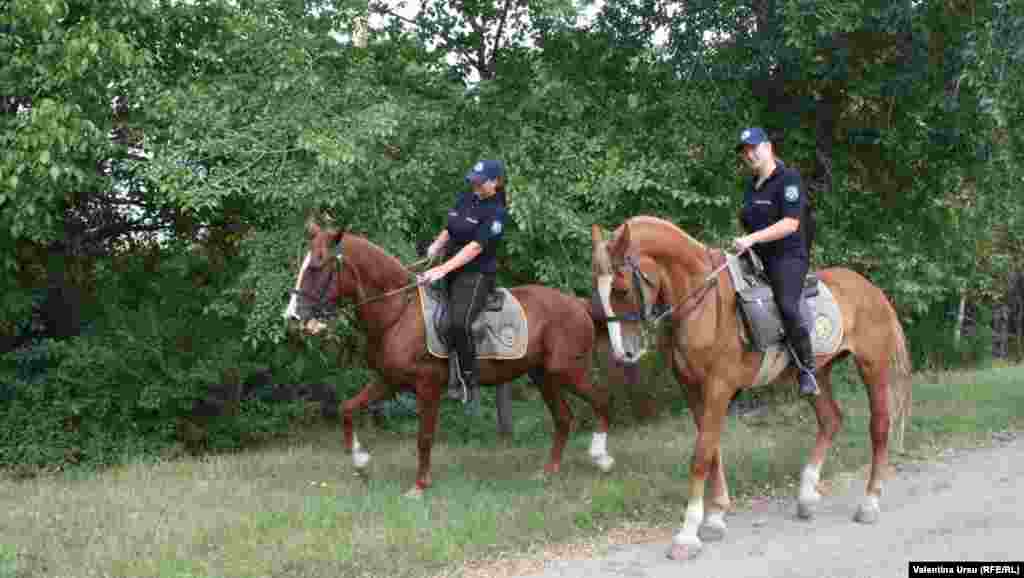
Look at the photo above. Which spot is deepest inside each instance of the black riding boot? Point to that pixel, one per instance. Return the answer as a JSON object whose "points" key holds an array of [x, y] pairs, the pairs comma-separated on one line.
{"points": [[804, 353], [456, 389], [472, 389]]}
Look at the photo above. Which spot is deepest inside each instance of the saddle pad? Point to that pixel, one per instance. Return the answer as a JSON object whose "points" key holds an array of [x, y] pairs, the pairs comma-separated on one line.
{"points": [[826, 337], [826, 334], [500, 334]]}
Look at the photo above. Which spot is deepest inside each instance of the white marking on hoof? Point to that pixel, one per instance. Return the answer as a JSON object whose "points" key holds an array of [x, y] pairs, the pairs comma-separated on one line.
{"points": [[360, 457], [714, 527], [599, 452], [809, 496], [868, 511], [414, 494], [684, 547]]}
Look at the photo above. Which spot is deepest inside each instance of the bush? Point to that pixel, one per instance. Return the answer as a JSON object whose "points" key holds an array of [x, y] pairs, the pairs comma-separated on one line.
{"points": [[154, 372]]}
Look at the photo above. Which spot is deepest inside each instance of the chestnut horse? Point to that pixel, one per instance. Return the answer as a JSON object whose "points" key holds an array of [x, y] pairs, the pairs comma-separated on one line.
{"points": [[707, 355], [342, 265]]}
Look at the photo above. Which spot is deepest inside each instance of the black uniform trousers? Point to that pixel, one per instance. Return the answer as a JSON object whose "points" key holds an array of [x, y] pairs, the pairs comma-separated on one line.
{"points": [[467, 295], [787, 276]]}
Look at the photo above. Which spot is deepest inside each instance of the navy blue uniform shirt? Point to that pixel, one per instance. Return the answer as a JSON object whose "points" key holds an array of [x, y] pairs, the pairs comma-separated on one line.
{"points": [[781, 195], [480, 220]]}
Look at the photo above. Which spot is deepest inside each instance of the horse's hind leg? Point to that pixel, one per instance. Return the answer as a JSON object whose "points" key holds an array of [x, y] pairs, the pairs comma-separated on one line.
{"points": [[579, 381], [562, 416], [830, 420], [368, 395], [875, 373]]}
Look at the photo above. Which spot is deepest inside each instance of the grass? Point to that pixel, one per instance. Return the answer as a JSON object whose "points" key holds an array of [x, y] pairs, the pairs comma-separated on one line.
{"points": [[296, 509]]}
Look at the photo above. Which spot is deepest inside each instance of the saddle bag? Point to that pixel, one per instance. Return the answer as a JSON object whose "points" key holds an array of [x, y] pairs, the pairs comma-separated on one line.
{"points": [[761, 315]]}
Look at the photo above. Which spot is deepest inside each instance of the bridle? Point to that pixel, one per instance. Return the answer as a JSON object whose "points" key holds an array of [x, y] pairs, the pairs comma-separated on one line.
{"points": [[644, 314], [323, 309]]}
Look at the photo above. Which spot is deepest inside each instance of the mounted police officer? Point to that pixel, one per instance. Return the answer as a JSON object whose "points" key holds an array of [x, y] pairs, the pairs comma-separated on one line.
{"points": [[469, 243], [776, 216]]}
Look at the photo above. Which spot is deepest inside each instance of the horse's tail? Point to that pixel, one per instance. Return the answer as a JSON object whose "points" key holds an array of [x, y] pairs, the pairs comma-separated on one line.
{"points": [[902, 392]]}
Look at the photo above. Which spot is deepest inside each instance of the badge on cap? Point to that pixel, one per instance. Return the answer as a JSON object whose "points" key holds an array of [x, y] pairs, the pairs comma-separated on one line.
{"points": [[479, 168], [496, 227], [792, 193], [745, 135]]}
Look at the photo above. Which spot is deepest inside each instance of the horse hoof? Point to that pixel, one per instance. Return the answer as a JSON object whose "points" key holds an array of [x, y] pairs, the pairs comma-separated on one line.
{"points": [[805, 510], [415, 493], [360, 460], [682, 552], [866, 515], [603, 462], [712, 532]]}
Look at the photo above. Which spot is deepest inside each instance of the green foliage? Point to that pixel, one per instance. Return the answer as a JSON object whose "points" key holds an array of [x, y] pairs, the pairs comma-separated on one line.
{"points": [[124, 388], [933, 342]]}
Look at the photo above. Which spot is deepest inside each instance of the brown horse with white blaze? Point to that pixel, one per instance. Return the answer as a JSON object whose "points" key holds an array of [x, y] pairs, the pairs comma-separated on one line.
{"points": [[561, 335], [706, 351]]}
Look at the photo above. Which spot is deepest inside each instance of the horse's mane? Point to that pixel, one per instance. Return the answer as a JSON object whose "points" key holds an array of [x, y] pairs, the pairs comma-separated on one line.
{"points": [[385, 270], [641, 225]]}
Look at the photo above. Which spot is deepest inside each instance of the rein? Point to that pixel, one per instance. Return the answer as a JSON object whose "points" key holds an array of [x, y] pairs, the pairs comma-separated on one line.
{"points": [[700, 292], [321, 301]]}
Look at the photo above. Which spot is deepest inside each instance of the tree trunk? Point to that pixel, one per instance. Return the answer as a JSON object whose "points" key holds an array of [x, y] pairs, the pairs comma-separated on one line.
{"points": [[958, 330], [62, 308]]}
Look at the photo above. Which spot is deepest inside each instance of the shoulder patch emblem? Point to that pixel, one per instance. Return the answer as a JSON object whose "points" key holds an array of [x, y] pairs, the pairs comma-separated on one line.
{"points": [[792, 193], [496, 227]]}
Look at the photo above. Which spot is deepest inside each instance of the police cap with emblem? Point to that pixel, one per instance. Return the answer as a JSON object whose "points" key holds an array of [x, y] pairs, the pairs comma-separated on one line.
{"points": [[751, 136], [486, 170]]}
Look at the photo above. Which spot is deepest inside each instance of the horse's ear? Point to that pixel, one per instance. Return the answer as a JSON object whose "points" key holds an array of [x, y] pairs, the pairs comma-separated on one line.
{"points": [[620, 242], [596, 234]]}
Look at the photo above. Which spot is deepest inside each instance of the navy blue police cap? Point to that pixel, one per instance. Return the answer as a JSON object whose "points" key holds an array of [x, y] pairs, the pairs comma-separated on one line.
{"points": [[751, 136], [486, 170]]}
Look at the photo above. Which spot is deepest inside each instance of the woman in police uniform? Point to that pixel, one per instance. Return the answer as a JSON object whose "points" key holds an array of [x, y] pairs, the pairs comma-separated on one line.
{"points": [[776, 217], [469, 243]]}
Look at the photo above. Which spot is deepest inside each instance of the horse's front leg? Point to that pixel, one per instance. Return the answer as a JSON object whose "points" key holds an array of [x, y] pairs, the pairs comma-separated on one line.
{"points": [[369, 394], [685, 543], [428, 402]]}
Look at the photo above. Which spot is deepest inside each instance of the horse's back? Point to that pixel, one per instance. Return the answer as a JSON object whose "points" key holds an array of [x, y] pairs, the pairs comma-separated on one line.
{"points": [[551, 310], [866, 309]]}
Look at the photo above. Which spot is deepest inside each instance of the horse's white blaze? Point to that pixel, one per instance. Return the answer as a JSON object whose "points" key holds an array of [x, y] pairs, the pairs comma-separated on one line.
{"points": [[360, 457], [292, 310], [809, 479], [599, 451], [604, 289], [687, 535]]}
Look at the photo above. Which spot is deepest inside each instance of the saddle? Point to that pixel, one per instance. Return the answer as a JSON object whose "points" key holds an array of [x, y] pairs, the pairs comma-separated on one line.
{"points": [[761, 323], [500, 331], [756, 302]]}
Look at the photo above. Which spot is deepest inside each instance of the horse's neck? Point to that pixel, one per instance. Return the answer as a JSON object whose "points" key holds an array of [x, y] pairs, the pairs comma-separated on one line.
{"points": [[671, 247], [377, 273]]}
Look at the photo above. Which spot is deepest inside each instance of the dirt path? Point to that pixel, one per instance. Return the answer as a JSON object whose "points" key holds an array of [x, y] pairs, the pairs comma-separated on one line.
{"points": [[965, 506]]}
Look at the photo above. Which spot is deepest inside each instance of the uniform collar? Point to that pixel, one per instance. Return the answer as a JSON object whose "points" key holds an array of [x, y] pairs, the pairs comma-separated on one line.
{"points": [[779, 167]]}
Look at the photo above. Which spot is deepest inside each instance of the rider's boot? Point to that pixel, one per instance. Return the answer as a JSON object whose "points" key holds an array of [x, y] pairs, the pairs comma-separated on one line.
{"points": [[804, 354]]}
